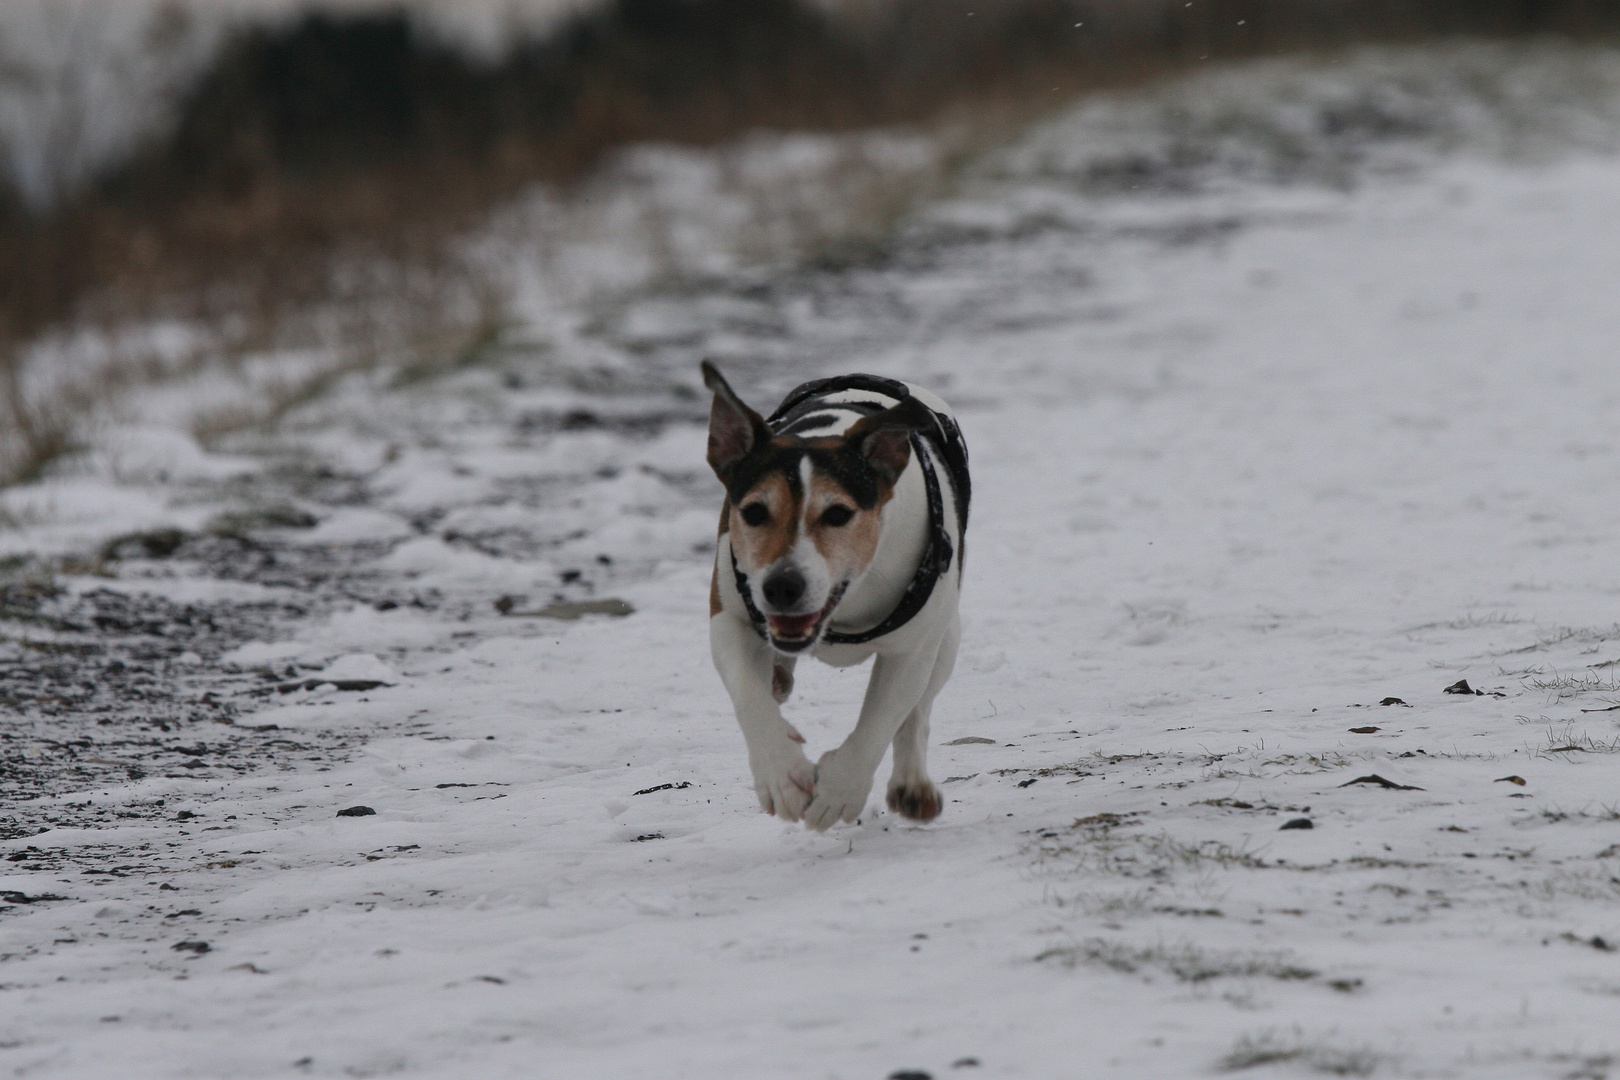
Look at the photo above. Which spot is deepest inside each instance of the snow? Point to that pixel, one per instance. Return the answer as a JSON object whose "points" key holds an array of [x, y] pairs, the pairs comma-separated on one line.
{"points": [[1248, 460], [88, 80]]}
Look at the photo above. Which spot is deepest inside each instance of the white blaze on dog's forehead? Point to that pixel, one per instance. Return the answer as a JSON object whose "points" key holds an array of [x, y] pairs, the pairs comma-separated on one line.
{"points": [[808, 560], [806, 557], [806, 471]]}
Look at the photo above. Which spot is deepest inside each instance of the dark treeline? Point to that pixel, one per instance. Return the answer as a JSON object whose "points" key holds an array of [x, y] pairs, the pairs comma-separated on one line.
{"points": [[358, 134]]}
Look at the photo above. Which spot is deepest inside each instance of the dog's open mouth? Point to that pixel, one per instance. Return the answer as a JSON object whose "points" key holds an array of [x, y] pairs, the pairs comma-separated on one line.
{"points": [[794, 633]]}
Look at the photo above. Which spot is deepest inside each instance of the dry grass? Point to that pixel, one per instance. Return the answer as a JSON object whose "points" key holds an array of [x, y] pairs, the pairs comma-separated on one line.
{"points": [[1561, 741], [1561, 635], [1605, 812], [1093, 846], [1600, 885], [310, 149], [31, 434], [1294, 1047], [1568, 684], [1183, 961]]}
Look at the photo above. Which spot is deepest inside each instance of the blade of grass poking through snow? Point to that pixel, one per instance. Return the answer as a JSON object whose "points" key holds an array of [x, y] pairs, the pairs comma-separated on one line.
{"points": [[1320, 1054], [1183, 961]]}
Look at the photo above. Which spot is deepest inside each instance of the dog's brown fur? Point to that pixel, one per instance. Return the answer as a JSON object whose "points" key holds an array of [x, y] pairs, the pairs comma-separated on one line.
{"points": [[714, 577], [848, 548], [856, 471]]}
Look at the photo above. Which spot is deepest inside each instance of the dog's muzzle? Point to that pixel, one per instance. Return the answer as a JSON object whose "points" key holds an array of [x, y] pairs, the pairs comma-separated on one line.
{"points": [[795, 633]]}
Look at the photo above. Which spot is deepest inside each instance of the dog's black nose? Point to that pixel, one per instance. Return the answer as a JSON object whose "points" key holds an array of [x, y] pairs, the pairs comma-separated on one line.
{"points": [[783, 589]]}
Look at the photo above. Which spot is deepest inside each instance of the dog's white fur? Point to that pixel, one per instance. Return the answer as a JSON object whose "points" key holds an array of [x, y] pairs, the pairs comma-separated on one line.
{"points": [[912, 663]]}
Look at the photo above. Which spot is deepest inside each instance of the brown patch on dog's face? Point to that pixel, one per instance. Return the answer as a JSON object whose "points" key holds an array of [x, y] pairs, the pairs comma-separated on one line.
{"points": [[714, 578], [764, 523], [845, 534], [803, 515]]}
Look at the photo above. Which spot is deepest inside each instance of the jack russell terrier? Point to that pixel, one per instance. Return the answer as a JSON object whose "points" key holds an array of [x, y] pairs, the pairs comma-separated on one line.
{"points": [[841, 537]]}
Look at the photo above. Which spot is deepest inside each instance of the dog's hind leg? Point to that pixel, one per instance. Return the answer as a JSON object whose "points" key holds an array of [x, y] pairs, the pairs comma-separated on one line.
{"points": [[900, 681], [782, 678], [911, 793]]}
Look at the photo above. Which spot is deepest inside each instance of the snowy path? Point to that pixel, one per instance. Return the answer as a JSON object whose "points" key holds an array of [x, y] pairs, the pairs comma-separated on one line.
{"points": [[1243, 469]]}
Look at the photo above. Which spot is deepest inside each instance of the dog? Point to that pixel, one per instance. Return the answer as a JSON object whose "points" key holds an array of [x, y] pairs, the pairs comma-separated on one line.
{"points": [[841, 537]]}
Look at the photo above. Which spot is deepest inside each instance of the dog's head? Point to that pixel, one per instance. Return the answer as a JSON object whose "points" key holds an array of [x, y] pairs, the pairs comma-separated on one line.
{"points": [[804, 515]]}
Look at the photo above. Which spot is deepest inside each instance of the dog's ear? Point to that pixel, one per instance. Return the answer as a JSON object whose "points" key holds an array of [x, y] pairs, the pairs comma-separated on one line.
{"points": [[735, 430], [884, 439]]}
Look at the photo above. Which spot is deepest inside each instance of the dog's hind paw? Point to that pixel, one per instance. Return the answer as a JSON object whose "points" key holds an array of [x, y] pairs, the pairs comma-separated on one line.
{"points": [[782, 684], [919, 800]]}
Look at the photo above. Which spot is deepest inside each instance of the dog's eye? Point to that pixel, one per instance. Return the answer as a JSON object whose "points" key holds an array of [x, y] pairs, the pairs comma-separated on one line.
{"points": [[755, 514], [837, 516]]}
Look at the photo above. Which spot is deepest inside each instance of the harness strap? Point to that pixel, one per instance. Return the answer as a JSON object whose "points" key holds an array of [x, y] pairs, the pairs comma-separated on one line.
{"points": [[947, 435], [939, 551], [871, 384], [935, 561]]}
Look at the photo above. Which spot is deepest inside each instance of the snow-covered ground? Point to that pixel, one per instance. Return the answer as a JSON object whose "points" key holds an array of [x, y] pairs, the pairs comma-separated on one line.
{"points": [[1250, 460]]}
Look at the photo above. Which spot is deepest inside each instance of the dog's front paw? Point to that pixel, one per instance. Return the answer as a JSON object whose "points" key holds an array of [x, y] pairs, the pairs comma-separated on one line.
{"points": [[918, 800], [842, 786], [784, 782]]}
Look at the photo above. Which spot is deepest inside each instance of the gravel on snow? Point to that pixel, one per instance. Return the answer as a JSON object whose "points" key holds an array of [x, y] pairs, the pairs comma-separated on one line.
{"points": [[1258, 474]]}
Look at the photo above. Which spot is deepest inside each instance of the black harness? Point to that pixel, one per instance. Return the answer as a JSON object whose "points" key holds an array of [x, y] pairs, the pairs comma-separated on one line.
{"points": [[946, 439]]}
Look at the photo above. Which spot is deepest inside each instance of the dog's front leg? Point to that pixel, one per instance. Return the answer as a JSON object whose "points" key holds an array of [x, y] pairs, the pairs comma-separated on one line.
{"points": [[783, 776], [844, 775]]}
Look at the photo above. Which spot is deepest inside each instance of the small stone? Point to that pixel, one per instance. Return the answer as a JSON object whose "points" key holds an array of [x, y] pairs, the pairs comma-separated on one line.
{"points": [[661, 787], [356, 811], [198, 947], [575, 609], [354, 685], [969, 740], [1374, 778], [12, 896], [1299, 823]]}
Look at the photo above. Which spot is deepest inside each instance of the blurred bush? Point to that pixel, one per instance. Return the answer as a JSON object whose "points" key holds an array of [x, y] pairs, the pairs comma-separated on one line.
{"points": [[338, 138]]}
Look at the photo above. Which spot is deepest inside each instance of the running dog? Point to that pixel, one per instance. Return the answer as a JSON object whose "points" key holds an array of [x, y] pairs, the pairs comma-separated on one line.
{"points": [[841, 537]]}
